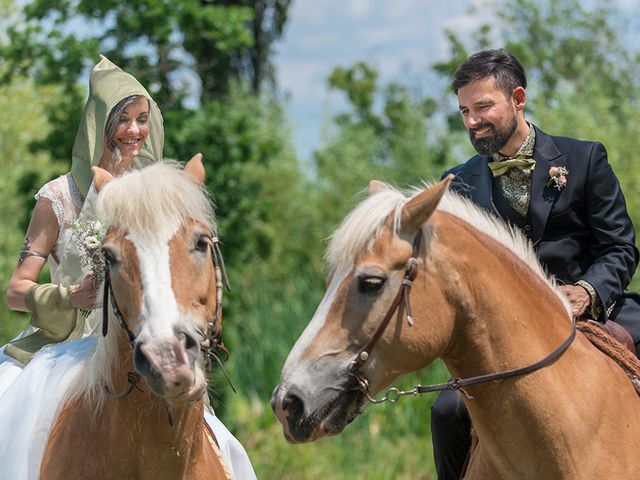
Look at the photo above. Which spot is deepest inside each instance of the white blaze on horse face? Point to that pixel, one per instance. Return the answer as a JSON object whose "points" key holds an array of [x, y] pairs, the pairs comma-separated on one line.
{"points": [[158, 299], [310, 333]]}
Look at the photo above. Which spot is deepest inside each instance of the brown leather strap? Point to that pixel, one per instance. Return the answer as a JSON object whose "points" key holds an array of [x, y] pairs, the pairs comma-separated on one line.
{"points": [[461, 383]]}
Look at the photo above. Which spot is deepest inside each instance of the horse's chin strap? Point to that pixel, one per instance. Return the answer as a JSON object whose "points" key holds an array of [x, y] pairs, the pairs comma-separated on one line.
{"points": [[212, 346], [107, 297]]}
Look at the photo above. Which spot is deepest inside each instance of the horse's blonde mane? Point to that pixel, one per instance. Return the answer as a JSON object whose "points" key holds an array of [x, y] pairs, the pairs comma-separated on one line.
{"points": [[358, 231], [152, 201]]}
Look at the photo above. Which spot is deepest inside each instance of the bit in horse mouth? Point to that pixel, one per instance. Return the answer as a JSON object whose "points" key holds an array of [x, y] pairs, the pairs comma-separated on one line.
{"points": [[342, 412], [329, 420]]}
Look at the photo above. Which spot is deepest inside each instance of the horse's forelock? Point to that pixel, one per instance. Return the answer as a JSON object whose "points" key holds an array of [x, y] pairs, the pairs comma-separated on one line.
{"points": [[160, 196], [362, 226]]}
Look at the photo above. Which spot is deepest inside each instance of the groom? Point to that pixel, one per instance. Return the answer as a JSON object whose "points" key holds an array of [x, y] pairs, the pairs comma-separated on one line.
{"points": [[562, 194]]}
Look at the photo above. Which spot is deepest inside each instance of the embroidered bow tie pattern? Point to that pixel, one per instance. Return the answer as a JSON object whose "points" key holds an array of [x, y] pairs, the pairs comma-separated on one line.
{"points": [[525, 164]]}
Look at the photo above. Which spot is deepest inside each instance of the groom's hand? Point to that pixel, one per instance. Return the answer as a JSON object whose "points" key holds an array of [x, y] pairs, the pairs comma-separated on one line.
{"points": [[578, 297]]}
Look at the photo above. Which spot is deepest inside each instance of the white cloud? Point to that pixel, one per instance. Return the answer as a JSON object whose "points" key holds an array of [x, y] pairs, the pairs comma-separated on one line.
{"points": [[305, 81], [358, 9], [319, 40]]}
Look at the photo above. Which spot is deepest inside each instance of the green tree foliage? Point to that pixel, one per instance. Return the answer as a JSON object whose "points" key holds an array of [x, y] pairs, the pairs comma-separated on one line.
{"points": [[157, 39], [22, 172], [185, 52], [387, 134], [252, 173]]}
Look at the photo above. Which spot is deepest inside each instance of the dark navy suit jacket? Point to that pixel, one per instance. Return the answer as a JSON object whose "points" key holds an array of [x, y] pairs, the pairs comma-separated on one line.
{"points": [[582, 232]]}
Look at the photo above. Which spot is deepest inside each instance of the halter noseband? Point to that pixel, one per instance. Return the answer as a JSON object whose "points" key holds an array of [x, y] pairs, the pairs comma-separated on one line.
{"points": [[460, 384], [212, 343]]}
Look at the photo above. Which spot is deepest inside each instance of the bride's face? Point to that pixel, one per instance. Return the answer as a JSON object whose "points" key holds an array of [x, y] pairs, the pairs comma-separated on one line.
{"points": [[132, 129]]}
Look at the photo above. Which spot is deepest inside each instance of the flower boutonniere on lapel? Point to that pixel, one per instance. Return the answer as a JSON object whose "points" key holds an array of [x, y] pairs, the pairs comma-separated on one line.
{"points": [[557, 178]]}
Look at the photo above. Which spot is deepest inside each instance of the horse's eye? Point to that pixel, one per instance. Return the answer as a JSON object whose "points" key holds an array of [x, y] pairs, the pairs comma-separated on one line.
{"points": [[370, 284], [109, 255], [202, 244]]}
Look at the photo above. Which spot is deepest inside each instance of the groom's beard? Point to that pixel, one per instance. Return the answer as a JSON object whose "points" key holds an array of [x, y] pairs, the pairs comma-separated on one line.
{"points": [[494, 142]]}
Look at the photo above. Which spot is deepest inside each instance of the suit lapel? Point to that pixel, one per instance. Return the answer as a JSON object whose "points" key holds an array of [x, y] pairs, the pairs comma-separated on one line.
{"points": [[546, 155], [483, 182]]}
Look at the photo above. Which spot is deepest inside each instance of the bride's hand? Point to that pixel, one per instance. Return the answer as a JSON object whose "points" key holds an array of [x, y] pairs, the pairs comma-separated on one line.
{"points": [[84, 294]]}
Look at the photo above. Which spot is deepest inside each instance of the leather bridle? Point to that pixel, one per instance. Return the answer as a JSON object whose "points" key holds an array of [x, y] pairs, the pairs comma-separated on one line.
{"points": [[460, 384], [212, 346]]}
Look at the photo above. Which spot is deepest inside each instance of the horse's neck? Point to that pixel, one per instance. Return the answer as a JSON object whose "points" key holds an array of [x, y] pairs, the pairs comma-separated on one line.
{"points": [[506, 314], [130, 437], [142, 418]]}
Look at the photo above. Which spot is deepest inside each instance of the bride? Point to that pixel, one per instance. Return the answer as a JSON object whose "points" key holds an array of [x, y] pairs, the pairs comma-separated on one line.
{"points": [[121, 128]]}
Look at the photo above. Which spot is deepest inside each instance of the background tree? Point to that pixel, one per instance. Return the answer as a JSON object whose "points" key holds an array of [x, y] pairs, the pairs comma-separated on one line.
{"points": [[21, 174], [186, 53], [387, 133]]}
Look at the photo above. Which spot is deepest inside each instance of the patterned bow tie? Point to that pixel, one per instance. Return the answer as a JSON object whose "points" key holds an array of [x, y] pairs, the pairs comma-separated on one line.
{"points": [[523, 163]]}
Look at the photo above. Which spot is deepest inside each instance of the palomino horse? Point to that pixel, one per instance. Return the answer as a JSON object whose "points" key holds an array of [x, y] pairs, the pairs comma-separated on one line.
{"points": [[160, 257], [480, 301]]}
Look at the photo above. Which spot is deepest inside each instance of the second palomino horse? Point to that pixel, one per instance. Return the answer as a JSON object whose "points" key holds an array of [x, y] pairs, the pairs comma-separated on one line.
{"points": [[480, 301]]}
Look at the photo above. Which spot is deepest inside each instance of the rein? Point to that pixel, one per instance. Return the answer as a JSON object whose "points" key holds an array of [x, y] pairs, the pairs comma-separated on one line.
{"points": [[209, 346], [393, 394]]}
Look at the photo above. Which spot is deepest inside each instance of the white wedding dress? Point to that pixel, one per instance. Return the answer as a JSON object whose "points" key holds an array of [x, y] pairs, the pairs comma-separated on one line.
{"points": [[30, 395]]}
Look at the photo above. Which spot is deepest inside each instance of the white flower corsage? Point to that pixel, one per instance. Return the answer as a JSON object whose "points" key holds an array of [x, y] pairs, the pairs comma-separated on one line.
{"points": [[557, 177]]}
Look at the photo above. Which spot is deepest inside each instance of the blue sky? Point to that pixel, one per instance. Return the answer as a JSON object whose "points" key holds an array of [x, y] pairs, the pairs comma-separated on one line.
{"points": [[400, 38]]}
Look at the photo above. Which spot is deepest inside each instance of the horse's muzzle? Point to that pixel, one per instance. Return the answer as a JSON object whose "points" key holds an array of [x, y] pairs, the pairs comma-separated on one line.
{"points": [[170, 368], [303, 422]]}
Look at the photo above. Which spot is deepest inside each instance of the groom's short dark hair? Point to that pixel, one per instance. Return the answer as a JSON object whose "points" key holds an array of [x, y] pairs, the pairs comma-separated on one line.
{"points": [[499, 64]]}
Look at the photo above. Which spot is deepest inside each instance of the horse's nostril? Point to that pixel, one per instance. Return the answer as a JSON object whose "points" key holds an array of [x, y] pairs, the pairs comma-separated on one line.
{"points": [[140, 360], [293, 406], [190, 343]]}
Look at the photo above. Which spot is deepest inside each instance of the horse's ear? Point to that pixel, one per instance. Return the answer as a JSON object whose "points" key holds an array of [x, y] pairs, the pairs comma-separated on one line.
{"points": [[419, 208], [195, 168], [100, 177], [376, 186]]}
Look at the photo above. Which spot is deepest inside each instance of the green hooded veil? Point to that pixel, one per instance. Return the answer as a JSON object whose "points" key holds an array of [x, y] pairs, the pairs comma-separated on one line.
{"points": [[53, 318], [108, 85]]}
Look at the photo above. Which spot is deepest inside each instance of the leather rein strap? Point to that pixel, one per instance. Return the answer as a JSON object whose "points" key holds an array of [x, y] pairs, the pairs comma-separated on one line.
{"points": [[460, 384]]}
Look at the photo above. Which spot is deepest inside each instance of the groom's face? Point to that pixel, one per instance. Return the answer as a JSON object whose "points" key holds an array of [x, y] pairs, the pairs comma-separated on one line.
{"points": [[488, 114]]}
